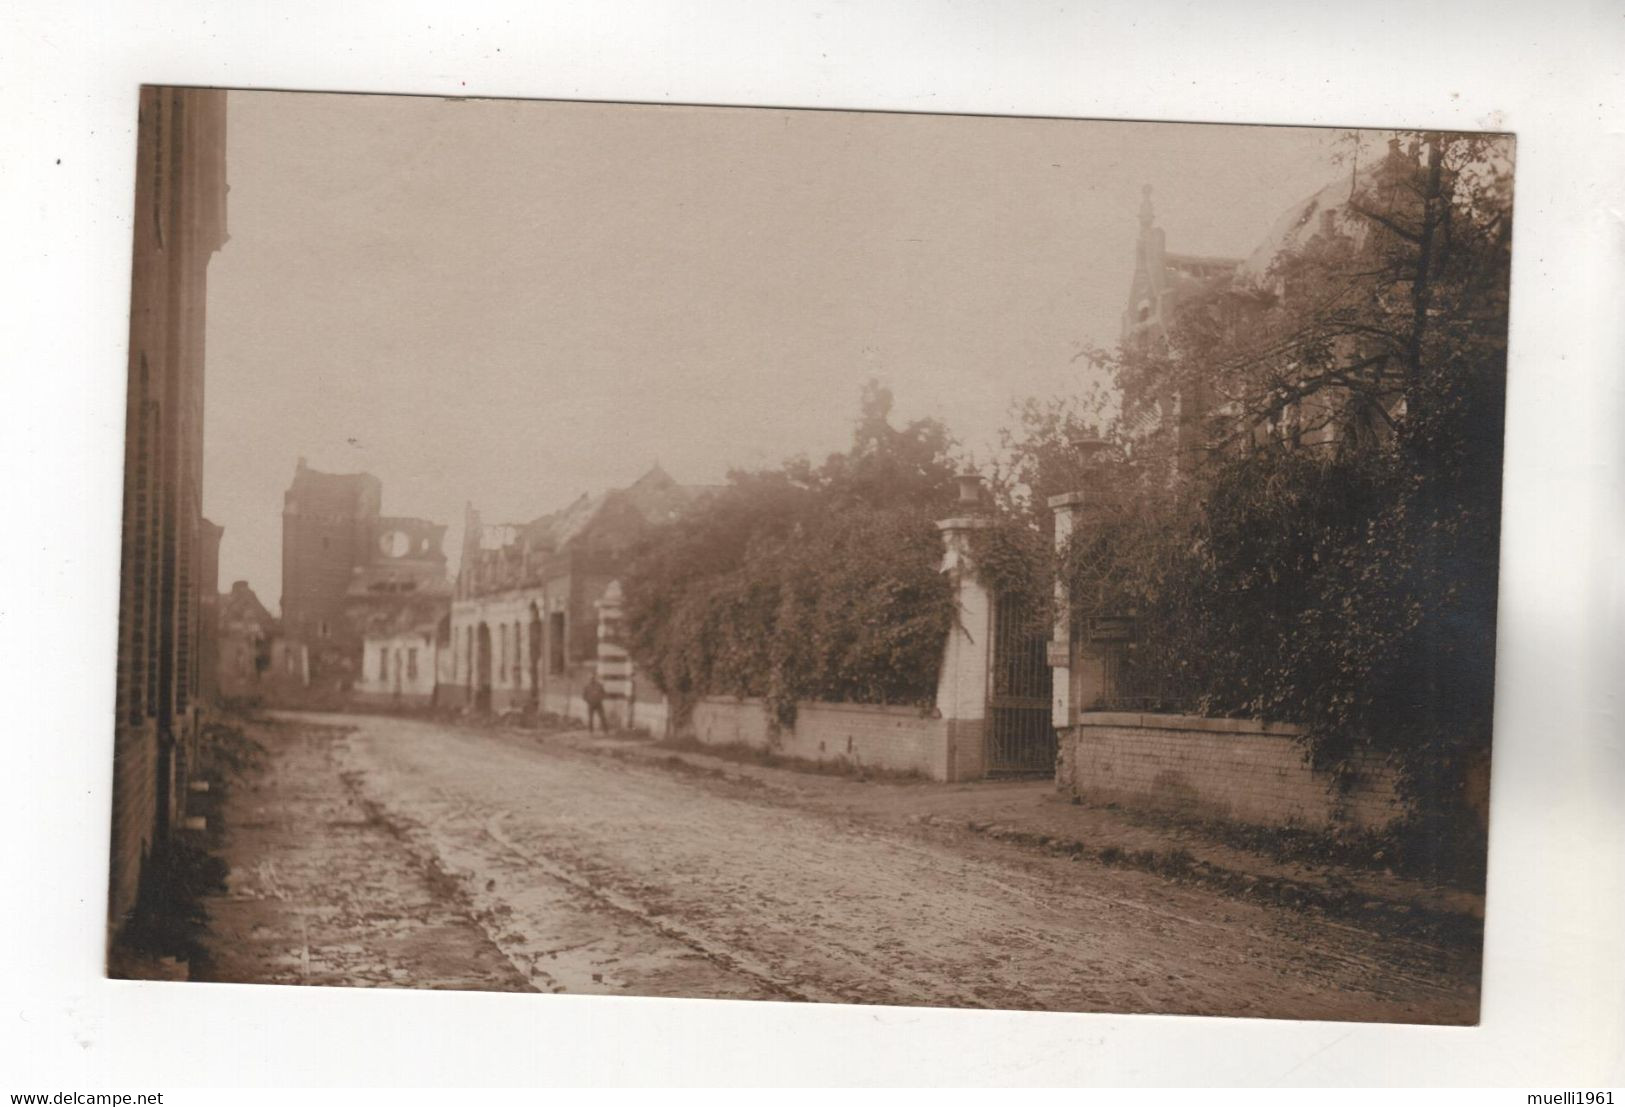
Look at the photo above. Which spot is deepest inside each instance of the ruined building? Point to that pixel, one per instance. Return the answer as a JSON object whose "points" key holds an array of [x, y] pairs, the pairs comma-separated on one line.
{"points": [[167, 563], [358, 587], [524, 629], [248, 639]]}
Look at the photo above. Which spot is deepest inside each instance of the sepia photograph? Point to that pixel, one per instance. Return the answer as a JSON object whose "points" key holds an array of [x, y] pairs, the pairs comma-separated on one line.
{"points": [[850, 557], [752, 544]]}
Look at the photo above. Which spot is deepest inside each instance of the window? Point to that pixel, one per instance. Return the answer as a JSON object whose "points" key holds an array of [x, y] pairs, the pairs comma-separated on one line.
{"points": [[322, 628], [383, 664], [411, 664], [555, 643]]}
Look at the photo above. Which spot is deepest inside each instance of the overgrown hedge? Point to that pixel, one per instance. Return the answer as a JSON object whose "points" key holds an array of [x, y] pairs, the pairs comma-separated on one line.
{"points": [[1345, 583], [802, 583]]}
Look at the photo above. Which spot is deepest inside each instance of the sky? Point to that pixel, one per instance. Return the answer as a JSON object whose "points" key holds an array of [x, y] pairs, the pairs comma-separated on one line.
{"points": [[512, 302]]}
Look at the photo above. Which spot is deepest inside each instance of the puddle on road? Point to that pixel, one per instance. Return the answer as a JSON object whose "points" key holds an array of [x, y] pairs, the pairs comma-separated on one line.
{"points": [[563, 938]]}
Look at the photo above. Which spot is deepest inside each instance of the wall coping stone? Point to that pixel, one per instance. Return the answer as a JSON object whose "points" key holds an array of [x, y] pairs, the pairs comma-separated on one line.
{"points": [[1185, 722], [965, 522], [893, 710]]}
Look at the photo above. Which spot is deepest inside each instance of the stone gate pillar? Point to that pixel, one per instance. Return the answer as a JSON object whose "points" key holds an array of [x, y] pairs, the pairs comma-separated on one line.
{"points": [[1065, 712], [1079, 652], [614, 664], [968, 657]]}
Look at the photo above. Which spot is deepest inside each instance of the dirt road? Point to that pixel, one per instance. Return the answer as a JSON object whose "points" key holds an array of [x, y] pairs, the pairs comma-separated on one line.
{"points": [[389, 851]]}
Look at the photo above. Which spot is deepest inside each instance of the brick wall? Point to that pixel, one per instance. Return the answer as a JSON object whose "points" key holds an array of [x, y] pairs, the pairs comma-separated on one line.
{"points": [[179, 224], [899, 739], [1218, 768], [135, 814]]}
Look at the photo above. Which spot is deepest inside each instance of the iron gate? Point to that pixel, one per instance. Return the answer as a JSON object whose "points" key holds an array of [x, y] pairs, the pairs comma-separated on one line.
{"points": [[1020, 735]]}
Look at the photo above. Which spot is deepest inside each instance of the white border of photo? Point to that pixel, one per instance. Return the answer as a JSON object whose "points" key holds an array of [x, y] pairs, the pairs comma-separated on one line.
{"points": [[1554, 980]]}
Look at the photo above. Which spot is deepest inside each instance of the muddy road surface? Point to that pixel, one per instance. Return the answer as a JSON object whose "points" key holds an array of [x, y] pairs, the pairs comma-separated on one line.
{"points": [[383, 851]]}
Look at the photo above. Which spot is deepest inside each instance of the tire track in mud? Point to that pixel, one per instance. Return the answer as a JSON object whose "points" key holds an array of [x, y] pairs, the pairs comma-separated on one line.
{"points": [[321, 890], [927, 848], [434, 873], [634, 880], [443, 831], [1400, 952], [537, 943], [731, 961]]}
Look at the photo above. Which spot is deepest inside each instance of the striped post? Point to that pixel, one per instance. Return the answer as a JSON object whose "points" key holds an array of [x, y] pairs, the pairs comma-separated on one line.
{"points": [[614, 664]]}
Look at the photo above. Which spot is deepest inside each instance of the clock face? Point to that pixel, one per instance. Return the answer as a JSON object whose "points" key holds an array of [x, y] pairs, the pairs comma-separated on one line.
{"points": [[394, 543]]}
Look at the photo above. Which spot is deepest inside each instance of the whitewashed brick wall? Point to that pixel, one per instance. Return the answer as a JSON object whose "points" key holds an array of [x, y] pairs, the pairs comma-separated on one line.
{"points": [[898, 739]]}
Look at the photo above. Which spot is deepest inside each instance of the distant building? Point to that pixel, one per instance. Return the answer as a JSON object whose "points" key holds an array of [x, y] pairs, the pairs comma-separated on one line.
{"points": [[1163, 285], [246, 631], [400, 642], [1163, 281], [327, 533], [1166, 286], [355, 581], [167, 563], [525, 616]]}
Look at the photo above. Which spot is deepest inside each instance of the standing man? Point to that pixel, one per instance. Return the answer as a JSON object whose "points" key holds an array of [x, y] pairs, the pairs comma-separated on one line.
{"points": [[593, 694]]}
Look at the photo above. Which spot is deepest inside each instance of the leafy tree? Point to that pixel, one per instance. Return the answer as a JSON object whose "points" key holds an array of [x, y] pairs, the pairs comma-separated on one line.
{"points": [[1302, 507], [1352, 325], [805, 582]]}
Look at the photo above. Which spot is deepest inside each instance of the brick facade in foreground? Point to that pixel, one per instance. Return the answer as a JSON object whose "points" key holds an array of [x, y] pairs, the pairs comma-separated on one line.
{"points": [[167, 550]]}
